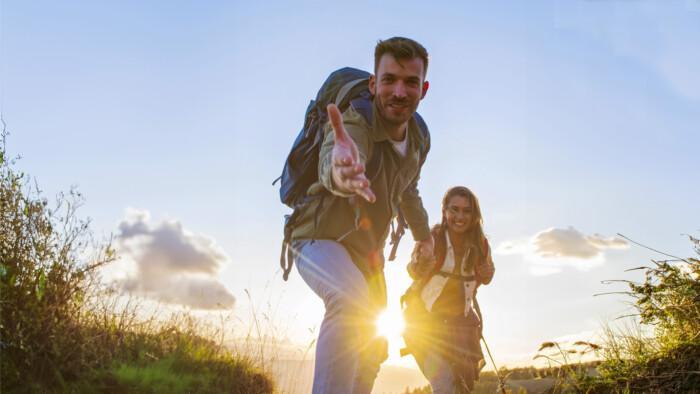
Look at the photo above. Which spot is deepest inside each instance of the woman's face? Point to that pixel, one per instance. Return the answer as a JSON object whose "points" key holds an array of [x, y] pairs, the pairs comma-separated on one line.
{"points": [[459, 214]]}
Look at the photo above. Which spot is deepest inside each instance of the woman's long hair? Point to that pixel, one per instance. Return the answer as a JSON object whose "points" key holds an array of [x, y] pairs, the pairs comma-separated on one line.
{"points": [[476, 232]]}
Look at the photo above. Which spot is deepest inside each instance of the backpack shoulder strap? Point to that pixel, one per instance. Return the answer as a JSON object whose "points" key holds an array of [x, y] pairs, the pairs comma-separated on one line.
{"points": [[363, 105], [343, 92], [423, 127]]}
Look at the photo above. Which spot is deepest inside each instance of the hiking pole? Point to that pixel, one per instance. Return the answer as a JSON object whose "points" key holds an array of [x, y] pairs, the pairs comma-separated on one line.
{"points": [[501, 383]]}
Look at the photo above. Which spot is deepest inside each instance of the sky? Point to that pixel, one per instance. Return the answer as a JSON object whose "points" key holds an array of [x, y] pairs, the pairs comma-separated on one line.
{"points": [[572, 121]]}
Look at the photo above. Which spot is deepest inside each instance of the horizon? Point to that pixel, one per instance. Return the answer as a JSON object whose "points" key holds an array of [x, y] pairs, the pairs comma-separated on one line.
{"points": [[574, 123]]}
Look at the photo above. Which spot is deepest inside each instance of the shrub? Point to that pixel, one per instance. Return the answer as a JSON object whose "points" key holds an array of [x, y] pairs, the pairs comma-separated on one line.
{"points": [[669, 298], [44, 280], [668, 301], [61, 330]]}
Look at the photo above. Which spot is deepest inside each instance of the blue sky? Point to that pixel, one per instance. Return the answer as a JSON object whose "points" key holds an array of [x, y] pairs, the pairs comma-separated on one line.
{"points": [[569, 118]]}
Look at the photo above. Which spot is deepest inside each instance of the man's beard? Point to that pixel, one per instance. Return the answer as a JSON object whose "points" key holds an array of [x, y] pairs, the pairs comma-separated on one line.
{"points": [[384, 111]]}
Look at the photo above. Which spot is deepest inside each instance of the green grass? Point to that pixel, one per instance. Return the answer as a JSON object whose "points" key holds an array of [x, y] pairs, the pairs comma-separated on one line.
{"points": [[668, 301], [64, 331], [176, 374], [660, 352], [156, 377], [171, 356]]}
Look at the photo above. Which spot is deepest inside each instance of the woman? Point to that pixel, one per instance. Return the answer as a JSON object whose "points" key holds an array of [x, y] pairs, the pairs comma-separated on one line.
{"points": [[442, 318]]}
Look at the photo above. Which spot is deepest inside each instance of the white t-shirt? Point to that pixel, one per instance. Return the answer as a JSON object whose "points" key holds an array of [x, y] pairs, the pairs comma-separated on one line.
{"points": [[400, 147]]}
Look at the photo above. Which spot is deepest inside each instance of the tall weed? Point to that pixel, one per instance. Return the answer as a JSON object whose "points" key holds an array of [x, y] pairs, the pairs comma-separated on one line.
{"points": [[63, 330], [661, 351]]}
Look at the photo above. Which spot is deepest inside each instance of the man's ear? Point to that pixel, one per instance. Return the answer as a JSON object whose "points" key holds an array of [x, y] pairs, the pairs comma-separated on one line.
{"points": [[426, 85], [373, 84]]}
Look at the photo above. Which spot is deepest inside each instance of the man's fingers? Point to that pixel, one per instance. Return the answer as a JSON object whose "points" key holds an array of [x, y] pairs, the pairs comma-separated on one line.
{"points": [[349, 171], [337, 122], [359, 183], [342, 161], [367, 194]]}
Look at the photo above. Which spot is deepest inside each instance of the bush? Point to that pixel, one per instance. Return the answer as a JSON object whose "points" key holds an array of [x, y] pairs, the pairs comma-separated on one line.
{"points": [[668, 300], [44, 281], [61, 330]]}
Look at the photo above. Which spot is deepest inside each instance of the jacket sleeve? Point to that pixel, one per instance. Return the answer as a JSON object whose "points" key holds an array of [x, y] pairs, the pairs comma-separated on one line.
{"points": [[356, 128], [413, 211], [412, 204], [485, 269]]}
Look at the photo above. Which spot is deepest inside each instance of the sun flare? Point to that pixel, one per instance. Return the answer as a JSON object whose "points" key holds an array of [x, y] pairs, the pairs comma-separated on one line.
{"points": [[390, 324]]}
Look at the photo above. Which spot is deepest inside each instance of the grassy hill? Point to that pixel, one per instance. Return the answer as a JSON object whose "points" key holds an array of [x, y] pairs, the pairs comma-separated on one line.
{"points": [[61, 329]]}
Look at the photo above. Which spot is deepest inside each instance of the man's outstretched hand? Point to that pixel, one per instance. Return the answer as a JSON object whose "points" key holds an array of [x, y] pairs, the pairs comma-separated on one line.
{"points": [[346, 169]]}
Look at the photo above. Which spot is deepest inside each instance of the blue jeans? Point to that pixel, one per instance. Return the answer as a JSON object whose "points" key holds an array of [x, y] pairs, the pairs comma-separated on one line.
{"points": [[348, 354], [438, 372], [446, 349]]}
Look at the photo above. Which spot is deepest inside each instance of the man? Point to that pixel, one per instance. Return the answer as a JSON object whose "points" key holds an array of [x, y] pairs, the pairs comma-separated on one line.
{"points": [[340, 236]]}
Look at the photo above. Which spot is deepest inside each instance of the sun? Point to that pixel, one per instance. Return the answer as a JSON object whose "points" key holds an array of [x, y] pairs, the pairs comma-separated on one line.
{"points": [[390, 324]]}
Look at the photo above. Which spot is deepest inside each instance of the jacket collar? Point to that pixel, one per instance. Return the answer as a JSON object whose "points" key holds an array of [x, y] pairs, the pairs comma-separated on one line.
{"points": [[378, 131]]}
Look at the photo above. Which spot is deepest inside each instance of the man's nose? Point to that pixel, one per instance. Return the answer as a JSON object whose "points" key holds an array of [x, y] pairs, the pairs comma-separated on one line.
{"points": [[399, 90]]}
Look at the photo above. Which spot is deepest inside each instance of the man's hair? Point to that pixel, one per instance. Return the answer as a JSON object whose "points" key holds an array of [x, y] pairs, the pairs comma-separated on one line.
{"points": [[401, 48]]}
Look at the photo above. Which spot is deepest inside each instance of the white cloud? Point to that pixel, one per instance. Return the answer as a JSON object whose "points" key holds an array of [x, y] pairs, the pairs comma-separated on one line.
{"points": [[172, 264], [549, 251]]}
